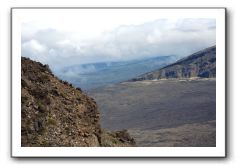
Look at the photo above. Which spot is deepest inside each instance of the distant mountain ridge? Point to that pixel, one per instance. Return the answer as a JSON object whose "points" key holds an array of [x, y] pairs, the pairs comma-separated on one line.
{"points": [[93, 75], [99, 66], [199, 64]]}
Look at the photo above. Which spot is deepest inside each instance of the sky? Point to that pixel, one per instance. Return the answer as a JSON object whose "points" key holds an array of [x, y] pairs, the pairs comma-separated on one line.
{"points": [[62, 39]]}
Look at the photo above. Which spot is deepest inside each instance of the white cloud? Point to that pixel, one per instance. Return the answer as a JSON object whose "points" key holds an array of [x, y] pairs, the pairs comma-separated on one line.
{"points": [[34, 49], [34, 45], [159, 37]]}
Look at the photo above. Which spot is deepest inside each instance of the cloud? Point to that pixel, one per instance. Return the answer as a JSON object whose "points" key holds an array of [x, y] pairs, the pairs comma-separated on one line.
{"points": [[34, 46], [160, 37], [157, 38], [198, 25], [35, 49]]}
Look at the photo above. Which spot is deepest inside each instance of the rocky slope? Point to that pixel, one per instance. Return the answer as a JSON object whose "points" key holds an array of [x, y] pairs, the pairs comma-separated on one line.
{"points": [[54, 113], [199, 64]]}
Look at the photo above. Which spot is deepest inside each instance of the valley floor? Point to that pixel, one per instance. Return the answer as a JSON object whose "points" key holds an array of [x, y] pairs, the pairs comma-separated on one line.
{"points": [[177, 112], [186, 135]]}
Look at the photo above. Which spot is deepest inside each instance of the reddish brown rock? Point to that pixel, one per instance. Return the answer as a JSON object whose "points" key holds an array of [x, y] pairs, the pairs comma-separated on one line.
{"points": [[54, 113]]}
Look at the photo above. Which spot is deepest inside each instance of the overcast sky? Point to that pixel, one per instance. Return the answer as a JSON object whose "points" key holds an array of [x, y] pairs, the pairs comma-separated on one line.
{"points": [[63, 39]]}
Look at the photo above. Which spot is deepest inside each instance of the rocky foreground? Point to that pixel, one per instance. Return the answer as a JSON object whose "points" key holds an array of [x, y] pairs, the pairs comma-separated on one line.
{"points": [[54, 113]]}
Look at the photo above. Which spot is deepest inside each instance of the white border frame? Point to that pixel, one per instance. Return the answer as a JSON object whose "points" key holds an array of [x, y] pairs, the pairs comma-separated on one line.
{"points": [[219, 151]]}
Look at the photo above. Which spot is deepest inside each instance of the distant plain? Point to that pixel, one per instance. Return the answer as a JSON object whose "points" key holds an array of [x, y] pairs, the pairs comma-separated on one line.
{"points": [[174, 112]]}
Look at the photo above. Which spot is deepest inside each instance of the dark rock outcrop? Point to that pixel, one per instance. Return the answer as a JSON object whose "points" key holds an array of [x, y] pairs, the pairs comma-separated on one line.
{"points": [[119, 138], [200, 64], [54, 113]]}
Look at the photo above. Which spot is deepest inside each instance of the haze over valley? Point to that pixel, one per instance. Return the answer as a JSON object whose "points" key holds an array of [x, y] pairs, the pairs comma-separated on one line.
{"points": [[94, 75]]}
